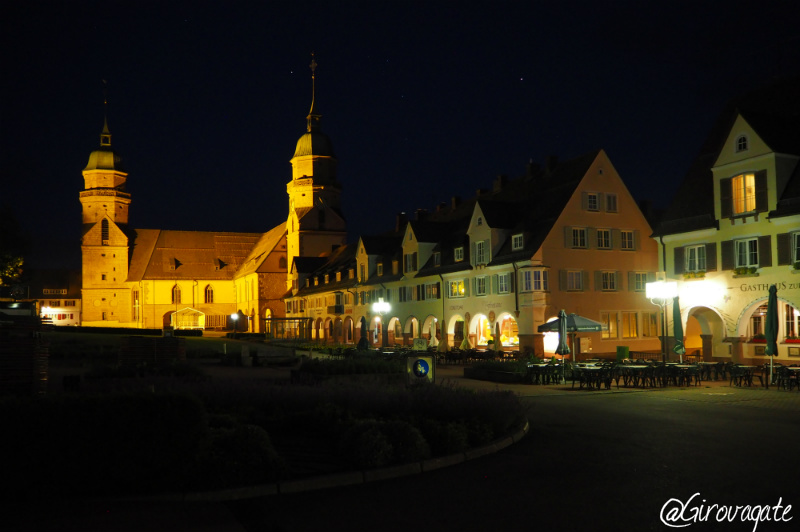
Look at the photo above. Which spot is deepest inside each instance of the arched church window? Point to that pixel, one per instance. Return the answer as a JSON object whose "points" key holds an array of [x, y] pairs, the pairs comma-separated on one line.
{"points": [[282, 263], [176, 295], [209, 294]]}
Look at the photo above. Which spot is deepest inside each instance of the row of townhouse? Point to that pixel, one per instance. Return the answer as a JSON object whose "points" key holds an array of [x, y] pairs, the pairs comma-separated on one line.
{"points": [[567, 235], [733, 230]]}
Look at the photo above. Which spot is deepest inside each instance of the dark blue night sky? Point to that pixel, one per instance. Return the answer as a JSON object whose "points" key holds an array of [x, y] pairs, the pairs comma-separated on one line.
{"points": [[422, 100]]}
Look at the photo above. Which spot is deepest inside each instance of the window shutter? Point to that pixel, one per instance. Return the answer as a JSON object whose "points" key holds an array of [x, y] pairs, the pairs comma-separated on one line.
{"points": [[651, 277], [678, 255], [585, 201], [784, 249], [466, 288], [474, 258], [711, 257], [415, 261], [562, 280], [762, 194], [438, 290], [510, 283], [636, 244], [764, 251], [567, 237], [631, 281], [494, 284], [616, 238], [585, 276], [598, 280], [601, 202], [591, 238], [617, 281], [728, 257], [726, 197]]}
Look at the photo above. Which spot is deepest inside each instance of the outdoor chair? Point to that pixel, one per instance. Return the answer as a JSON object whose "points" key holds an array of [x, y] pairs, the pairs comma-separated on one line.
{"points": [[693, 376], [737, 376], [719, 371]]}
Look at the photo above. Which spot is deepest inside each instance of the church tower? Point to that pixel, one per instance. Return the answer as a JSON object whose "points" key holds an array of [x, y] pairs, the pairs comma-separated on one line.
{"points": [[104, 241], [315, 225]]}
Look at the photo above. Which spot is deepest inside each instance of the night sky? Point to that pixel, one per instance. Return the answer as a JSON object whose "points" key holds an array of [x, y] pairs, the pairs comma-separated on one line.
{"points": [[422, 100]]}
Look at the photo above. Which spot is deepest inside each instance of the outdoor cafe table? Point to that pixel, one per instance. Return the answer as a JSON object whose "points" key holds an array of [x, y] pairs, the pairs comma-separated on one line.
{"points": [[705, 369], [631, 374], [747, 374]]}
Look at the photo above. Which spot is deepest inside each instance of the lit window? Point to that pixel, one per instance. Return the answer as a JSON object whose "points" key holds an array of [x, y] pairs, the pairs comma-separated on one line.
{"points": [[626, 240], [696, 259], [380, 268], [517, 242], [609, 320], [744, 193], [630, 324], [176, 295], [593, 203], [574, 280], [327, 278], [747, 252], [741, 143], [650, 324], [456, 288], [578, 237], [338, 276], [458, 254], [604, 238], [611, 203]]}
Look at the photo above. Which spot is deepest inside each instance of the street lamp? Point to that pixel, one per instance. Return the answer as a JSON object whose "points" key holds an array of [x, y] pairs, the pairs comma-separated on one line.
{"points": [[659, 293], [235, 318], [381, 307]]}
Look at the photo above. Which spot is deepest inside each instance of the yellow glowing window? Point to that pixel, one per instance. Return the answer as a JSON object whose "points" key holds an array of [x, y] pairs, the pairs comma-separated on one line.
{"points": [[744, 193]]}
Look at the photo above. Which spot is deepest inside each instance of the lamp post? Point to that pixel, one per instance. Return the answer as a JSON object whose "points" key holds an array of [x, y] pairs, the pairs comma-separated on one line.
{"points": [[381, 307], [235, 318], [659, 293]]}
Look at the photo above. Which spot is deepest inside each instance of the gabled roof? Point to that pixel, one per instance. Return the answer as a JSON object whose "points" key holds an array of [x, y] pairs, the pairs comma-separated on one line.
{"points": [[265, 245], [341, 260], [161, 254], [693, 206]]}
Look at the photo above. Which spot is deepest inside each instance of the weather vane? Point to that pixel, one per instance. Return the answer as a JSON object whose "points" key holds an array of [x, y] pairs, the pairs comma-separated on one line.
{"points": [[313, 65]]}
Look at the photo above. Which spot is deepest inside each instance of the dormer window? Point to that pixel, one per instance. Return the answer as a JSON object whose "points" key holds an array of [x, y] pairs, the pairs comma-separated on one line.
{"points": [[316, 281], [338, 276], [458, 254], [351, 273], [437, 258], [741, 143], [517, 242], [380, 268], [327, 278]]}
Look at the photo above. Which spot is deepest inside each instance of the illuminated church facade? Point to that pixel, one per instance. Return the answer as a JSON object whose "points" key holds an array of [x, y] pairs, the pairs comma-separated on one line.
{"points": [[155, 278]]}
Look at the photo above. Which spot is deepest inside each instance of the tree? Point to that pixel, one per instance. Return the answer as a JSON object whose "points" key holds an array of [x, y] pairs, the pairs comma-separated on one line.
{"points": [[12, 248]]}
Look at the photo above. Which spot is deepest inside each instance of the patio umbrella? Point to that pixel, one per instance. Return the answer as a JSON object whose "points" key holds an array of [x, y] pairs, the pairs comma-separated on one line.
{"points": [[771, 328], [574, 323], [677, 328], [498, 344], [443, 346]]}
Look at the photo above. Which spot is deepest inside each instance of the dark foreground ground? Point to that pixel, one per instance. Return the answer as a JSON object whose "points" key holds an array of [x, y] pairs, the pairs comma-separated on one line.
{"points": [[591, 461]]}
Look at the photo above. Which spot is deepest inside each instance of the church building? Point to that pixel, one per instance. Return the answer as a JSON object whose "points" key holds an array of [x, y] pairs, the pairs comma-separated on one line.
{"points": [[155, 278]]}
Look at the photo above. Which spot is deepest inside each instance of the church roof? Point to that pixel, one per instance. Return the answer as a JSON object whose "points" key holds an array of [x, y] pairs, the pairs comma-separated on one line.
{"points": [[265, 245], [188, 255], [314, 143]]}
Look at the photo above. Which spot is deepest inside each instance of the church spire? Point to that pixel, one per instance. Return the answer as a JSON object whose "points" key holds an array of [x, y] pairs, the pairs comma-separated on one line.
{"points": [[105, 136], [313, 116]]}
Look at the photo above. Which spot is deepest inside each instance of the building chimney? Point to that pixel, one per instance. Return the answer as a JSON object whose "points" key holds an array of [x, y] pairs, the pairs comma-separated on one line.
{"points": [[442, 207], [400, 221], [421, 214], [499, 182], [551, 162], [480, 192], [455, 201]]}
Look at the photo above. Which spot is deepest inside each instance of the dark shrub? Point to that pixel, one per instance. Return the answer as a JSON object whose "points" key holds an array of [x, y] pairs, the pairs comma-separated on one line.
{"points": [[445, 437], [366, 446], [408, 444], [238, 456]]}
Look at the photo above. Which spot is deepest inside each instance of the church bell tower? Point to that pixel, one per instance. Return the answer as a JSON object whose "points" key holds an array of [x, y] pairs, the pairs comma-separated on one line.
{"points": [[315, 225]]}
